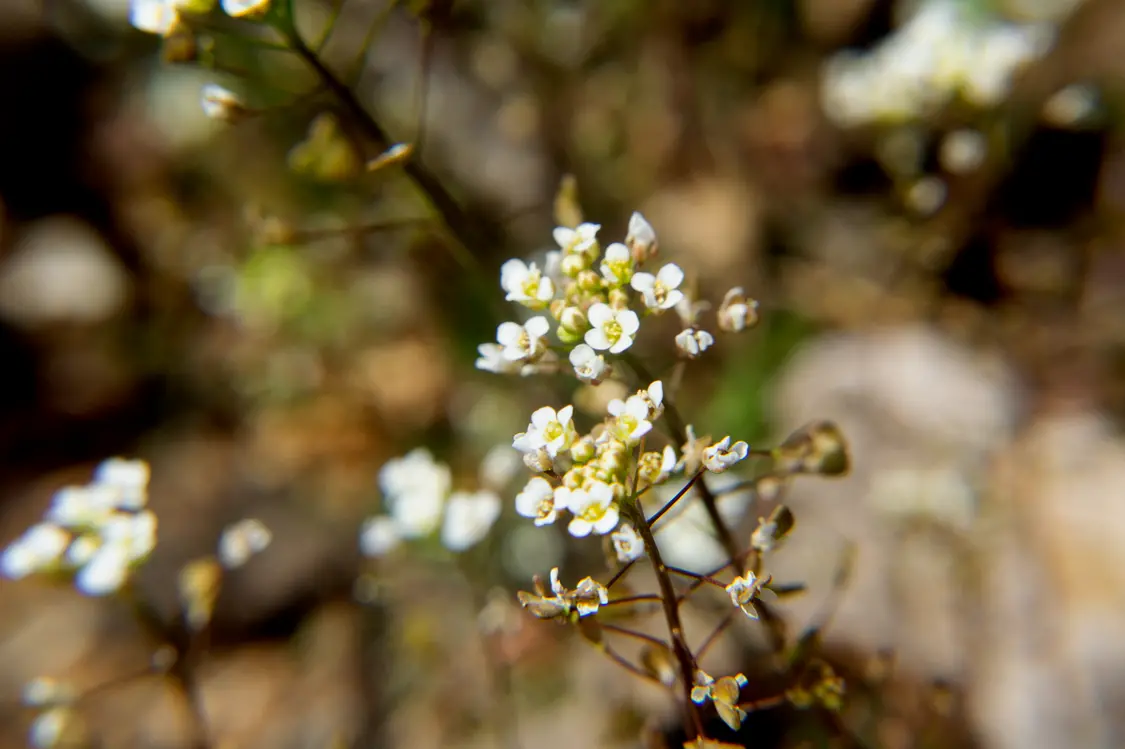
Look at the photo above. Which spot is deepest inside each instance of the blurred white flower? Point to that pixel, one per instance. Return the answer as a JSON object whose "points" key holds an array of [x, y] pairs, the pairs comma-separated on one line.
{"points": [[48, 727], [39, 548], [468, 518], [589, 365], [245, 8], [662, 291], [526, 284], [962, 150], [242, 540], [219, 103], [593, 509], [722, 455], [523, 342], [379, 535], [129, 478], [499, 466], [627, 544], [105, 573], [153, 16], [692, 342], [415, 487], [737, 313], [537, 500], [611, 329]]}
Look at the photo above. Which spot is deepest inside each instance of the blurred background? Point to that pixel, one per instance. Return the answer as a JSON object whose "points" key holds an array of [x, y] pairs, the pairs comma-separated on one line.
{"points": [[927, 197]]}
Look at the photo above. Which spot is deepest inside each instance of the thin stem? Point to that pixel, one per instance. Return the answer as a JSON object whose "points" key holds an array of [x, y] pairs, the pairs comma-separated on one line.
{"points": [[693, 724], [765, 703], [671, 502], [703, 579], [635, 635], [645, 598], [312, 235], [630, 667], [714, 636], [620, 574]]}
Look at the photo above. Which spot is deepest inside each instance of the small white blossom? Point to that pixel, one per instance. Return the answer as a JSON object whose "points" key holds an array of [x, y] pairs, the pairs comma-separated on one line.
{"points": [[653, 396], [153, 16], [722, 455], [43, 691], [593, 509], [39, 548], [743, 591], [128, 477], [628, 544], [491, 359], [245, 8], [576, 241], [668, 464], [611, 329], [523, 342], [48, 727], [415, 488], [617, 265], [105, 573], [537, 500], [549, 430], [662, 291], [692, 342], [379, 535], [630, 421], [242, 540], [219, 103], [526, 284], [589, 365], [641, 237], [737, 313], [468, 518]]}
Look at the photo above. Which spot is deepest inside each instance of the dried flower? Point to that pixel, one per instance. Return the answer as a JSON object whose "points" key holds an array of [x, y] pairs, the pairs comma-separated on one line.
{"points": [[692, 342], [744, 589], [737, 313], [627, 543], [724, 693]]}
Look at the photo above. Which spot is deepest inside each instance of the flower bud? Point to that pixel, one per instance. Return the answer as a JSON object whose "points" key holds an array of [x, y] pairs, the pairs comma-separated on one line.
{"points": [[572, 264], [618, 298], [819, 447], [737, 313], [584, 450], [589, 281], [641, 238]]}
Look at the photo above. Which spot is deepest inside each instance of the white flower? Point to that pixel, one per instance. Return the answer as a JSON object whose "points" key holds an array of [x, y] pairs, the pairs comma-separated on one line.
{"points": [[491, 359], [737, 313], [667, 464], [379, 535], [105, 573], [630, 419], [128, 477], [415, 487], [537, 500], [153, 16], [576, 241], [722, 455], [39, 548], [219, 103], [468, 518], [589, 365], [242, 540], [526, 284], [611, 329], [661, 291], [628, 544], [243, 8], [593, 509], [523, 342], [48, 727], [617, 265], [641, 237], [743, 591], [693, 342], [549, 430], [83, 506], [653, 396]]}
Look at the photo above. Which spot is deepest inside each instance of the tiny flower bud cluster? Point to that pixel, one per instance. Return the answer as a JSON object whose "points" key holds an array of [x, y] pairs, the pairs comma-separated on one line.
{"points": [[418, 499], [99, 531], [589, 475]]}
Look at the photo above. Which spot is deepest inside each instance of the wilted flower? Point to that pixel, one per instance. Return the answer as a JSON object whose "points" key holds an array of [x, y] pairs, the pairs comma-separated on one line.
{"points": [[589, 365], [468, 518], [662, 291], [722, 455], [537, 500], [526, 284], [627, 543], [523, 342], [611, 329], [589, 596], [692, 342], [724, 693], [737, 313], [561, 603], [592, 506], [743, 591]]}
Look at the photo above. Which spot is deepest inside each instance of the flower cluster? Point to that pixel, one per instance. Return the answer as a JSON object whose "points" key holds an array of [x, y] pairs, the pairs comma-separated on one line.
{"points": [[418, 499], [161, 17], [589, 475], [99, 531], [945, 50]]}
